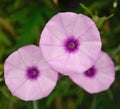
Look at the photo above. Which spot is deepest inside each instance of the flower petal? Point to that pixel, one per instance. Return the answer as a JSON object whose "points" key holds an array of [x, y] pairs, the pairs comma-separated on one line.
{"points": [[90, 34], [55, 26], [51, 52], [16, 74], [69, 20], [103, 78], [49, 39], [77, 63], [89, 48], [14, 60], [82, 24], [70, 38]]}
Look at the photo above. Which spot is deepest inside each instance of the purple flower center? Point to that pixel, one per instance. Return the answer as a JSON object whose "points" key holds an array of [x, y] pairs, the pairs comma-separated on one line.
{"points": [[90, 72], [33, 73], [71, 44]]}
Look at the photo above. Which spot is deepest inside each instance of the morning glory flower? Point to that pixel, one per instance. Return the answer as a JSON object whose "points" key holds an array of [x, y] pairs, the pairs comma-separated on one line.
{"points": [[27, 75], [97, 78], [70, 43]]}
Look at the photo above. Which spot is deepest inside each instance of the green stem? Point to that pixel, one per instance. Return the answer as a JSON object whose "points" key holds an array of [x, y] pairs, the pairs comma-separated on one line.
{"points": [[86, 9], [94, 102], [35, 106]]}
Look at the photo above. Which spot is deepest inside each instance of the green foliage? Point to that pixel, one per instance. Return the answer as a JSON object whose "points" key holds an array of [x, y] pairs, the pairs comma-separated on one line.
{"points": [[21, 23]]}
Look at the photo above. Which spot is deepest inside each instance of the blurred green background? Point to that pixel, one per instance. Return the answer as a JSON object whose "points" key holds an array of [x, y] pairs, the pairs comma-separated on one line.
{"points": [[21, 23]]}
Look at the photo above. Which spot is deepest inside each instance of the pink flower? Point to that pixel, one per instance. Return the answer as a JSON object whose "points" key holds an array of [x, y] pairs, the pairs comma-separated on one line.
{"points": [[27, 75], [70, 43], [99, 77]]}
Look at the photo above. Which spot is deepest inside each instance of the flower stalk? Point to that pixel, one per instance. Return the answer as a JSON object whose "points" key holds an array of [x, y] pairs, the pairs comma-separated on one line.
{"points": [[35, 106]]}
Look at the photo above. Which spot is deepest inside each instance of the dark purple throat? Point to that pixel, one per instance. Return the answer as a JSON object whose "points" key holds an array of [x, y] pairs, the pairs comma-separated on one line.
{"points": [[32, 73], [71, 44], [90, 72]]}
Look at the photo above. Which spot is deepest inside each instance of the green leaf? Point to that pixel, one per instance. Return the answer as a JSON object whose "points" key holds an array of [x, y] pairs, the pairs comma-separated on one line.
{"points": [[4, 39]]}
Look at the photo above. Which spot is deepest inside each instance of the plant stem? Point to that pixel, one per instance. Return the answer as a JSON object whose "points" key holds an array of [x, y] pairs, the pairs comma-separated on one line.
{"points": [[94, 102], [35, 106]]}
